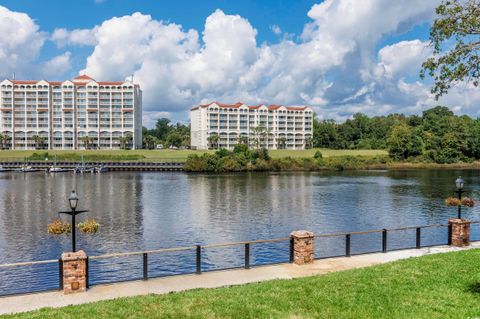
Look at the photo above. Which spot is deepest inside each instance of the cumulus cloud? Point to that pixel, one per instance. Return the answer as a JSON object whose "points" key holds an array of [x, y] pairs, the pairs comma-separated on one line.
{"points": [[62, 37], [402, 58], [20, 42], [333, 67], [57, 65]]}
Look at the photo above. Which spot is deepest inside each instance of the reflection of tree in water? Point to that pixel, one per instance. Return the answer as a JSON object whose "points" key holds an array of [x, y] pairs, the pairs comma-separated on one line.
{"points": [[433, 186]]}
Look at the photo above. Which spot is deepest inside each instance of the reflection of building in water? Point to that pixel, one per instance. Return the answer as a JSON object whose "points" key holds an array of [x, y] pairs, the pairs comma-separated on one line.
{"points": [[228, 202], [248, 207], [29, 202]]}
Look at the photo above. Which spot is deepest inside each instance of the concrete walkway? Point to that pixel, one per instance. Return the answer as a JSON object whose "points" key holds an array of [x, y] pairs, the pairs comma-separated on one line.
{"points": [[210, 280]]}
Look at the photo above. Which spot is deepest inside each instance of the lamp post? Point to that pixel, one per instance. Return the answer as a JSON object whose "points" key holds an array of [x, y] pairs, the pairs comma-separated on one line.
{"points": [[73, 201], [459, 183]]}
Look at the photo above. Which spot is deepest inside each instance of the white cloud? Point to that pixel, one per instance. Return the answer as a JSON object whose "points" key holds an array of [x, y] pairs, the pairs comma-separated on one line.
{"points": [[334, 65], [62, 37], [402, 58], [276, 29], [20, 42], [57, 65]]}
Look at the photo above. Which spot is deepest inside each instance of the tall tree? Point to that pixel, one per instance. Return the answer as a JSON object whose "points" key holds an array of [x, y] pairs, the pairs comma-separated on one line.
{"points": [[457, 21], [403, 143], [162, 128], [213, 140]]}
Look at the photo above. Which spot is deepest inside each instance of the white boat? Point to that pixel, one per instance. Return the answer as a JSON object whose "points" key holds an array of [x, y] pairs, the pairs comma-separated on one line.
{"points": [[26, 169], [55, 169], [101, 169], [84, 169], [3, 169]]}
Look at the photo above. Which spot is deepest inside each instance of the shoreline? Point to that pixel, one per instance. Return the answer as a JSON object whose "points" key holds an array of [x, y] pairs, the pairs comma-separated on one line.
{"points": [[283, 164]]}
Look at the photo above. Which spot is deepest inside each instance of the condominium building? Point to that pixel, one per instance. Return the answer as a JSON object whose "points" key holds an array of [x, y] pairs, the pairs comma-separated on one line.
{"points": [[62, 114], [269, 126]]}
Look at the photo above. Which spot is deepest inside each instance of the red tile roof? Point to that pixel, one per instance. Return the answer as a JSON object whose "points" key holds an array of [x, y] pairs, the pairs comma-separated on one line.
{"points": [[110, 83], [253, 107], [83, 77], [24, 82]]}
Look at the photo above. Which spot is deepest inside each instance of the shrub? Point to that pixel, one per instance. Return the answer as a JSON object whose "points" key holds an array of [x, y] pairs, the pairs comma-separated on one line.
{"points": [[318, 155], [222, 152], [241, 148]]}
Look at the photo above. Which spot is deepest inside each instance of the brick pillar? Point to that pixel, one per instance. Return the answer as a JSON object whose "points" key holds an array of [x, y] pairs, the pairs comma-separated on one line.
{"points": [[302, 247], [460, 232], [74, 272]]}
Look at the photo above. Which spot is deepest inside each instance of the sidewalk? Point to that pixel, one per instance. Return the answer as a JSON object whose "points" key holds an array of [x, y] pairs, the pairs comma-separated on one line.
{"points": [[214, 279]]}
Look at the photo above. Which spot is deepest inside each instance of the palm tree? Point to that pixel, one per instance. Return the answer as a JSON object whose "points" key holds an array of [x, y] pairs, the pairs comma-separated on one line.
{"points": [[243, 139], [123, 142], [2, 141], [213, 140], [258, 133], [6, 138], [308, 142], [39, 141], [149, 141], [129, 140], [87, 140], [282, 142]]}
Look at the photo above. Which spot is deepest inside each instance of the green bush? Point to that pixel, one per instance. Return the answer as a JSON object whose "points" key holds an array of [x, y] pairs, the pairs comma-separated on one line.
{"points": [[243, 159], [318, 155]]}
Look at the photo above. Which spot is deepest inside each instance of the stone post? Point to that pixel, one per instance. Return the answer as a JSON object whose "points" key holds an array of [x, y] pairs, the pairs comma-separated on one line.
{"points": [[74, 272], [459, 232], [302, 247]]}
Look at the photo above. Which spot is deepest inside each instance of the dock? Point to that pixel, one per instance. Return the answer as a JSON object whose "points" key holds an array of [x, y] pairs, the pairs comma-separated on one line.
{"points": [[112, 166]]}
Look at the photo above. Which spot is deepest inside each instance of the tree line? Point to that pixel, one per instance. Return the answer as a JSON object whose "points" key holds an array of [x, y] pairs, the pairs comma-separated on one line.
{"points": [[438, 135], [166, 134]]}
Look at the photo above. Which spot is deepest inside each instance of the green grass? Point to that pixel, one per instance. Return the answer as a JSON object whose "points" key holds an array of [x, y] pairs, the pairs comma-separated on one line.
{"points": [[435, 286], [173, 155]]}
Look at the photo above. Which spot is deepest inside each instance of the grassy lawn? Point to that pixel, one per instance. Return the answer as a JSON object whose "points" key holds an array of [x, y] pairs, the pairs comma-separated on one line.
{"points": [[435, 286], [177, 155]]}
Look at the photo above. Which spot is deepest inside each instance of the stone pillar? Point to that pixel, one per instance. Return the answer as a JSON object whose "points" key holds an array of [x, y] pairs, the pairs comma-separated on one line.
{"points": [[74, 272], [302, 247], [460, 232]]}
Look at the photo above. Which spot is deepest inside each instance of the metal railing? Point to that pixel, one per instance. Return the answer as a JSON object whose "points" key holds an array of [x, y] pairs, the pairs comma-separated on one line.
{"points": [[247, 245]]}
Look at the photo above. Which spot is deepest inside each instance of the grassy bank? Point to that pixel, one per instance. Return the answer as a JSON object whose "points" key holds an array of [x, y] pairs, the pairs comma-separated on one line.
{"points": [[167, 155], [435, 286]]}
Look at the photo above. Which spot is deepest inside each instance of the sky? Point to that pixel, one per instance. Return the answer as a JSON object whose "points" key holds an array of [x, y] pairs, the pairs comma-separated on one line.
{"points": [[338, 56]]}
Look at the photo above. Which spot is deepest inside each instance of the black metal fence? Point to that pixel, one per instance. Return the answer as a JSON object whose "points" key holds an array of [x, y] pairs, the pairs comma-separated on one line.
{"points": [[144, 265]]}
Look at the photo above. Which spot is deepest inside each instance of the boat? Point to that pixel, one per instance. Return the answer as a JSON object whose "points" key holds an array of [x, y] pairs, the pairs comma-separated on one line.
{"points": [[55, 169], [101, 169], [84, 169], [3, 169], [26, 169]]}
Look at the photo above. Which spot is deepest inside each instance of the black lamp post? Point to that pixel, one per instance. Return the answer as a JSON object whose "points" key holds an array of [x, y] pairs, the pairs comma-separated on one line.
{"points": [[459, 182], [73, 201]]}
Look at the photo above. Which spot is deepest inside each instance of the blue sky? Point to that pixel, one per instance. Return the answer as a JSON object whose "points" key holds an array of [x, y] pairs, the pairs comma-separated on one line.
{"points": [[338, 56]]}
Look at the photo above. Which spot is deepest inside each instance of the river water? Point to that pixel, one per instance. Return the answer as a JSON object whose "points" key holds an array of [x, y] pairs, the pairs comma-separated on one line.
{"points": [[143, 211]]}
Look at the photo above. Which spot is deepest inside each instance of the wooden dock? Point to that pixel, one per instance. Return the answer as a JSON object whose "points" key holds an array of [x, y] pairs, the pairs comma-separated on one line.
{"points": [[112, 166]]}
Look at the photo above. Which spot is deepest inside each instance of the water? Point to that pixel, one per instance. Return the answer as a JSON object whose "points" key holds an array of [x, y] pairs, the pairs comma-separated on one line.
{"points": [[142, 211]]}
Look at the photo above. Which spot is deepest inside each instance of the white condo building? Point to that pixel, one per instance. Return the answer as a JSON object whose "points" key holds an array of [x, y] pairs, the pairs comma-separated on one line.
{"points": [[63, 113], [286, 127]]}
